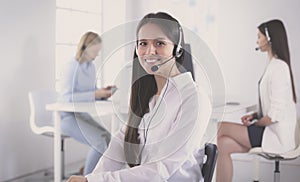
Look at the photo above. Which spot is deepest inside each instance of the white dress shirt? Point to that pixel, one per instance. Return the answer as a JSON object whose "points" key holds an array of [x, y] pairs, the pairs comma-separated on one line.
{"points": [[178, 120], [277, 102]]}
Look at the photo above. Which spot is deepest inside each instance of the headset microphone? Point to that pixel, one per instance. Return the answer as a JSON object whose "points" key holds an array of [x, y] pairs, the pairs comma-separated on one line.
{"points": [[156, 67], [258, 48]]}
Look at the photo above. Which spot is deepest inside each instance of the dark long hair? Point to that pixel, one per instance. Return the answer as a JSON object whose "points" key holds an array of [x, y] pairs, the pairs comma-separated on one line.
{"points": [[279, 44], [144, 86]]}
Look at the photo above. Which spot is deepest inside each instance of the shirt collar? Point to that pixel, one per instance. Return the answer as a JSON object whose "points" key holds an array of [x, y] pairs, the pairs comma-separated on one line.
{"points": [[182, 79]]}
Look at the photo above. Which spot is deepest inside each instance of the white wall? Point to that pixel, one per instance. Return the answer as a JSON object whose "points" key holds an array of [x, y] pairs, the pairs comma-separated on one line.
{"points": [[113, 16], [28, 57], [27, 34]]}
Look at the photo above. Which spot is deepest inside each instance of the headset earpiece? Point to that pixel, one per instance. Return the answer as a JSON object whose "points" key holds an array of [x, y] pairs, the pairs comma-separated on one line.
{"points": [[178, 48], [85, 40], [267, 34], [178, 51]]}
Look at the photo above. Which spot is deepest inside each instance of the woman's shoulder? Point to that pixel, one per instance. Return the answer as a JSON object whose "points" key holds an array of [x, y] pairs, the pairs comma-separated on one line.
{"points": [[276, 62], [70, 64], [183, 79], [279, 66]]}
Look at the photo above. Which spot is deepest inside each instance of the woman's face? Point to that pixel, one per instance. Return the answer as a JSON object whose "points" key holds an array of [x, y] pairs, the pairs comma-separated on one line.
{"points": [[262, 42], [153, 48], [92, 51]]}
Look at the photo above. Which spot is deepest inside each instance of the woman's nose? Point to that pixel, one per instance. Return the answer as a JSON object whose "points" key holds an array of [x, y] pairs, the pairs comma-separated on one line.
{"points": [[151, 49]]}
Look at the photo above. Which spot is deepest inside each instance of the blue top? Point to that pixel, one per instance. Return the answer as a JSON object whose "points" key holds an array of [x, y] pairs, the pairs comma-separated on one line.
{"points": [[78, 82]]}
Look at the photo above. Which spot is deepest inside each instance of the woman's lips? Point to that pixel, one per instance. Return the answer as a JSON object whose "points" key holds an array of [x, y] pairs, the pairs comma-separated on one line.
{"points": [[151, 60]]}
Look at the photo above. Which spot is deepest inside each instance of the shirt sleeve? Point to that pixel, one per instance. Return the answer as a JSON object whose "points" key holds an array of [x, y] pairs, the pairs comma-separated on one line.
{"points": [[113, 158], [161, 170], [156, 172], [280, 88], [110, 170], [69, 81]]}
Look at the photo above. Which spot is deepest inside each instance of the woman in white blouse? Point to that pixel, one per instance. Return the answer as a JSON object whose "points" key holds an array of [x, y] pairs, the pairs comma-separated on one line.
{"points": [[168, 116], [273, 127]]}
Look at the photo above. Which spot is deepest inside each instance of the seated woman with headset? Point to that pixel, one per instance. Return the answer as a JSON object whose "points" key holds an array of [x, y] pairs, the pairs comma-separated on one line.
{"points": [[77, 84], [167, 111], [273, 128]]}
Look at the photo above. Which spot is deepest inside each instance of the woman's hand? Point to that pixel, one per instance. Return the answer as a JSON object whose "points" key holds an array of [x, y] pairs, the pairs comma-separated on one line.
{"points": [[77, 179], [104, 92], [246, 120], [110, 87]]}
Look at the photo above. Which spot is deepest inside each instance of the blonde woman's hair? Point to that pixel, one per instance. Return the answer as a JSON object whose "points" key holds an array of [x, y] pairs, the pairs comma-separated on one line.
{"points": [[88, 39]]}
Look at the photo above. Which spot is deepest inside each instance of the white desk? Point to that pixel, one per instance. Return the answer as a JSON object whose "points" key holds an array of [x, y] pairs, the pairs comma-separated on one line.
{"points": [[232, 113], [228, 113], [99, 108]]}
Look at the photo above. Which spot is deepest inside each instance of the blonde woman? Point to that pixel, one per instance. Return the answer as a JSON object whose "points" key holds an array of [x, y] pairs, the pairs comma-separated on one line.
{"points": [[78, 85]]}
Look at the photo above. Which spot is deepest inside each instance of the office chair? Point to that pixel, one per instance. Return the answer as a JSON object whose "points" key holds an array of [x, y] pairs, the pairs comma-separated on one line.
{"points": [[188, 61], [211, 152], [41, 121], [291, 155]]}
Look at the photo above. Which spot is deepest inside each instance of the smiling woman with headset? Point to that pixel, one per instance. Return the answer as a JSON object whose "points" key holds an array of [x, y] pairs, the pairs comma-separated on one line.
{"points": [[167, 112], [273, 127]]}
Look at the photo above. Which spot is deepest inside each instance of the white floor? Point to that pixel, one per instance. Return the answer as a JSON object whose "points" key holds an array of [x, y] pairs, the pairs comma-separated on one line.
{"points": [[47, 174], [244, 169]]}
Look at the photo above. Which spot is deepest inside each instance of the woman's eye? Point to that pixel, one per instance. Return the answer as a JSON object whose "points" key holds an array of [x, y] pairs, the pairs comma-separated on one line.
{"points": [[142, 43], [160, 43]]}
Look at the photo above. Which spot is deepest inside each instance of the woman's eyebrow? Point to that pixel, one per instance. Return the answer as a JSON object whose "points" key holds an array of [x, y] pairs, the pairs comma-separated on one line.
{"points": [[159, 38]]}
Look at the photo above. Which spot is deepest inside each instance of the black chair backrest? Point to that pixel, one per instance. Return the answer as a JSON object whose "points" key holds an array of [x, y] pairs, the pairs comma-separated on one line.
{"points": [[211, 152], [188, 61]]}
